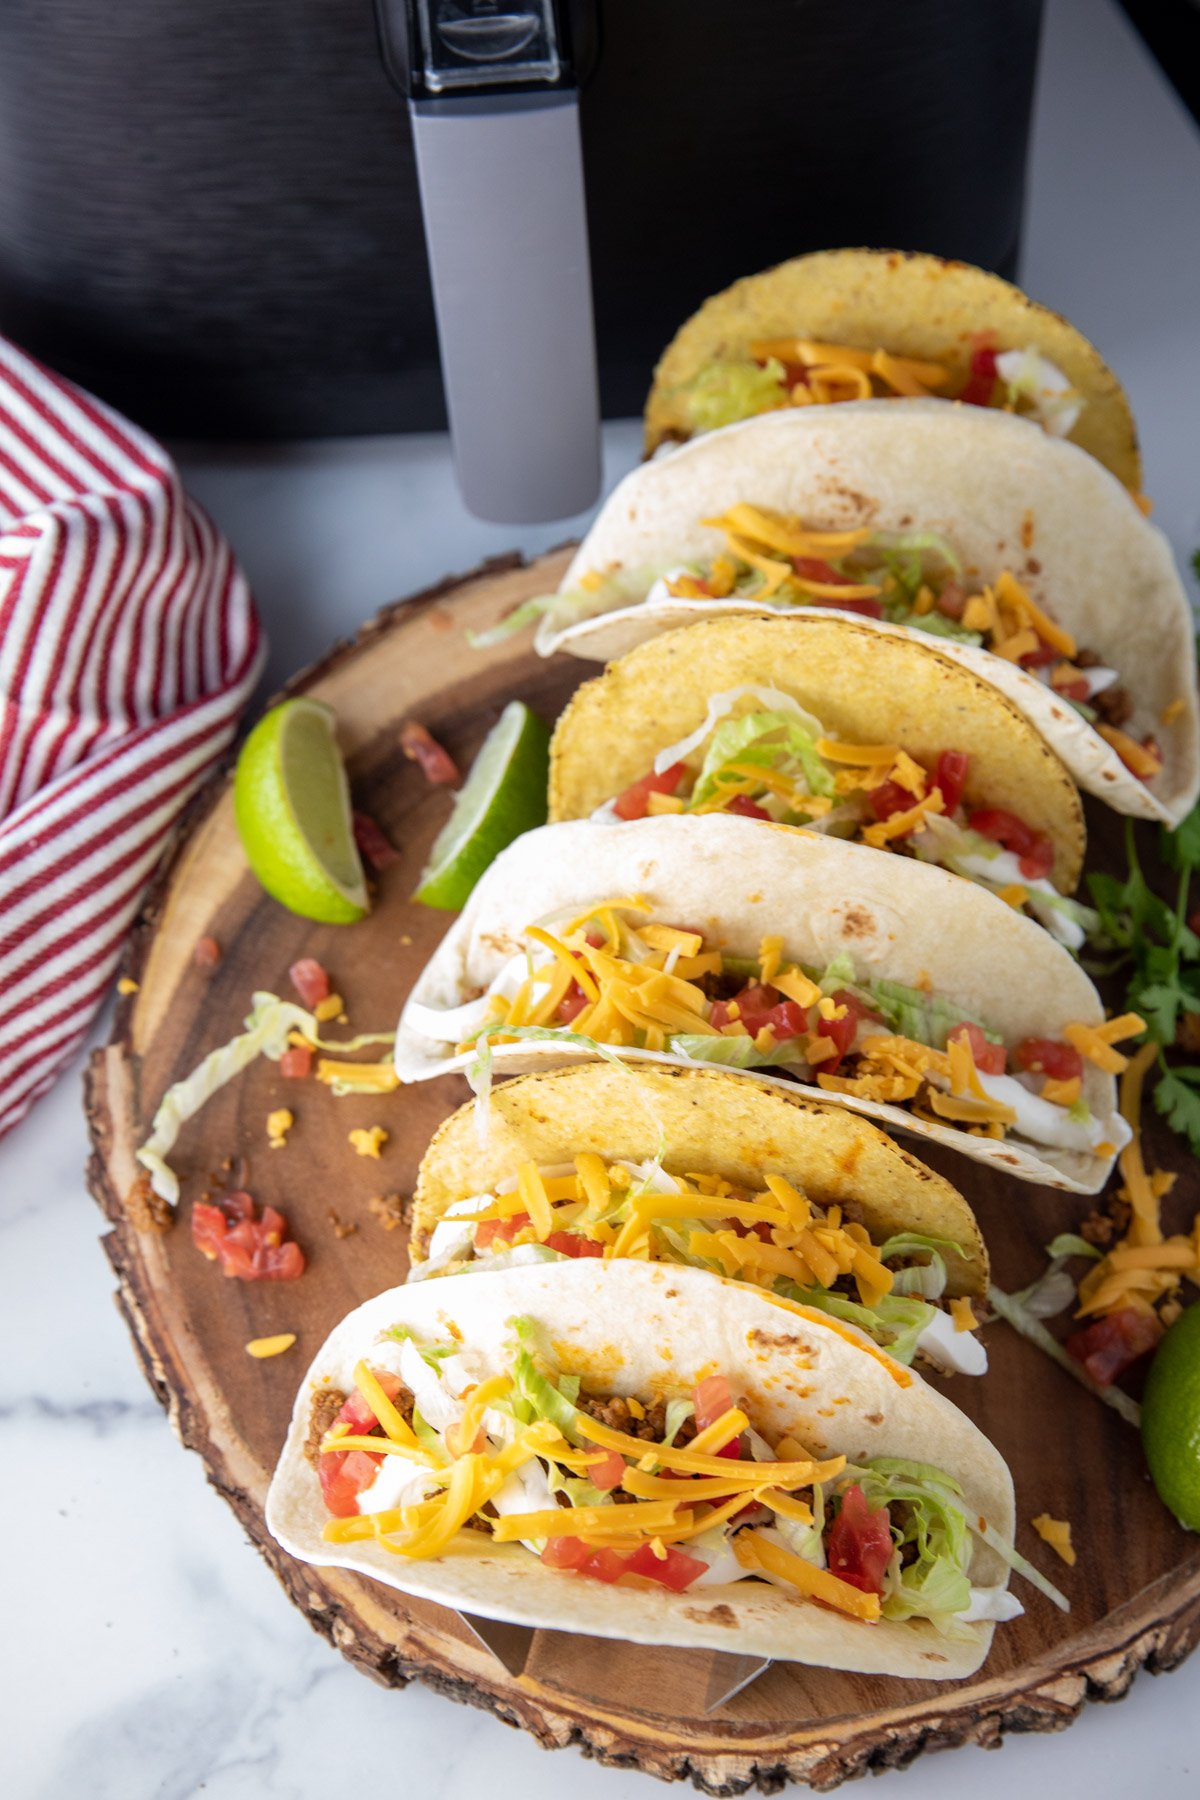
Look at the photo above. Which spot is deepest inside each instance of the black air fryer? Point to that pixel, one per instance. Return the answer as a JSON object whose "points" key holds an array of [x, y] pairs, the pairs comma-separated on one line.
{"points": [[249, 218]]}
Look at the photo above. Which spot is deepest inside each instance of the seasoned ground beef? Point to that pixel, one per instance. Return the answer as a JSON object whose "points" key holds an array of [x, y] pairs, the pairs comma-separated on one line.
{"points": [[616, 1415], [326, 1406], [1114, 705]]}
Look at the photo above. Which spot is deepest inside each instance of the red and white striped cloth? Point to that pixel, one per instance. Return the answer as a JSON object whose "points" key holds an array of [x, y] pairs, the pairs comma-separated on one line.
{"points": [[128, 646]]}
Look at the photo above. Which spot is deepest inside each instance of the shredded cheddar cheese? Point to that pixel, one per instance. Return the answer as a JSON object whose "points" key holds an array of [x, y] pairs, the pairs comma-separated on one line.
{"points": [[271, 1346], [279, 1123], [368, 1140], [1056, 1533]]}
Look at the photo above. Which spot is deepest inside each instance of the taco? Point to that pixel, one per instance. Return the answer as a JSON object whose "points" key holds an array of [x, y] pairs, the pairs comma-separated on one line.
{"points": [[655, 1455], [857, 324], [894, 988], [695, 1167], [822, 722], [1023, 557]]}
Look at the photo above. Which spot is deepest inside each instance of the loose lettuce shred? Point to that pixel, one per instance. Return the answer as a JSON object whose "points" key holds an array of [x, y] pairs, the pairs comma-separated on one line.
{"points": [[266, 1034], [736, 740], [1010, 1308]]}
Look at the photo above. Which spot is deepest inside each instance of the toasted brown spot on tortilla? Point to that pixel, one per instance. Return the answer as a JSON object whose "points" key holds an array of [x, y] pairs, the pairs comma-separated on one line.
{"points": [[873, 1418], [857, 921], [712, 1615], [769, 1340]]}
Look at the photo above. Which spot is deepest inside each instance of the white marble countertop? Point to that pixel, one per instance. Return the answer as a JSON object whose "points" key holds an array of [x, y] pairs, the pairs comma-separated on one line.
{"points": [[148, 1650]]}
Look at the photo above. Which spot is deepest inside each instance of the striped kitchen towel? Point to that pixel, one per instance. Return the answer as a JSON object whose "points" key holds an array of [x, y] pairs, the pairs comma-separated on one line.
{"points": [[128, 646]]}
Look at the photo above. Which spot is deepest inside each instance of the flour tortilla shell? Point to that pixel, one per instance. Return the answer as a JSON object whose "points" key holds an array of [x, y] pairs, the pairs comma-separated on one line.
{"points": [[647, 1329], [1008, 496], [738, 881], [711, 1123], [864, 688], [909, 304]]}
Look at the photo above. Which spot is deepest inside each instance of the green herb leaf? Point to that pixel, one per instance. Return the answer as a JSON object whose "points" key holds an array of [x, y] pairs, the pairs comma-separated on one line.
{"points": [[1177, 1098]]}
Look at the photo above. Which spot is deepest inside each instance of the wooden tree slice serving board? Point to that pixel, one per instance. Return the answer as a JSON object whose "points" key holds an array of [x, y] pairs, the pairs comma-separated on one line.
{"points": [[1135, 1591]]}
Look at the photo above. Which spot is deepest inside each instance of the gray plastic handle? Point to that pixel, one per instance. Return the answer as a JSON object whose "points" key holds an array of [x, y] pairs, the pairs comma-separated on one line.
{"points": [[502, 195]]}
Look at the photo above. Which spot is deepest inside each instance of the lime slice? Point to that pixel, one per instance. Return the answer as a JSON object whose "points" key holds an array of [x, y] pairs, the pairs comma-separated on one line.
{"points": [[1171, 1419], [291, 800], [504, 795]]}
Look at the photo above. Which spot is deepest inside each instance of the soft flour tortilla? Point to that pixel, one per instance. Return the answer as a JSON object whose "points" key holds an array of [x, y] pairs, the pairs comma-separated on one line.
{"points": [[646, 1329], [864, 688], [711, 1123], [1008, 496], [739, 880], [909, 304]]}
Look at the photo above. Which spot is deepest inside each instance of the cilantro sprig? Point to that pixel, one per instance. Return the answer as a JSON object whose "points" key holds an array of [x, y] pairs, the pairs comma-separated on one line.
{"points": [[1153, 941]]}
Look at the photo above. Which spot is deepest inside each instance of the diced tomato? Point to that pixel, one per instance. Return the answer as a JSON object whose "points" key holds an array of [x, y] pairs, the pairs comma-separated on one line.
{"points": [[952, 600], [841, 1032], [1108, 1346], [1046, 1056], [571, 1004], [565, 1553], [1071, 690], [296, 1064], [758, 1006], [607, 1472], [868, 607], [247, 1249], [343, 1477], [603, 1565], [420, 746], [573, 1243], [1042, 657], [488, 1230], [634, 803], [888, 798], [356, 1410], [950, 776], [989, 1059], [859, 1542], [811, 568], [760, 1229], [1033, 849], [746, 807], [310, 981], [981, 382], [676, 1570], [374, 848], [207, 953], [712, 1399]]}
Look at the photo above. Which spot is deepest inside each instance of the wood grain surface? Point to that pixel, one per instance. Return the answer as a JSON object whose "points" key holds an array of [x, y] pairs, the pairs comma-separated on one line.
{"points": [[1135, 1590]]}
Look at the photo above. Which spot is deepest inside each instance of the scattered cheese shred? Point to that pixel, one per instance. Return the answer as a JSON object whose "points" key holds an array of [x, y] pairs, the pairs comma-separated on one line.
{"points": [[1056, 1533], [963, 1314], [329, 1008], [279, 1123], [127, 985], [368, 1140], [271, 1346]]}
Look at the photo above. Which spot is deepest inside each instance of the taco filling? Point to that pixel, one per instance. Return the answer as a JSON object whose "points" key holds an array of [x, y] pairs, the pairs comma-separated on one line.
{"points": [[605, 977], [916, 579], [678, 1490], [794, 371], [777, 1238], [758, 753]]}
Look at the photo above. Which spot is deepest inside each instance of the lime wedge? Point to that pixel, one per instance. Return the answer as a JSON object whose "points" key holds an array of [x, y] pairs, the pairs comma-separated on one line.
{"points": [[1171, 1418], [291, 800], [504, 795]]}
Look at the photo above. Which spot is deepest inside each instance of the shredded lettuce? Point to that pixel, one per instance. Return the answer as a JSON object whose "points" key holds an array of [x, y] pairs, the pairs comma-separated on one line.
{"points": [[927, 1018], [432, 1355], [678, 1413], [936, 624], [724, 391], [733, 1052], [528, 613], [545, 1396], [1010, 1309], [266, 1034], [928, 1280], [1068, 1244], [896, 1322], [736, 740]]}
